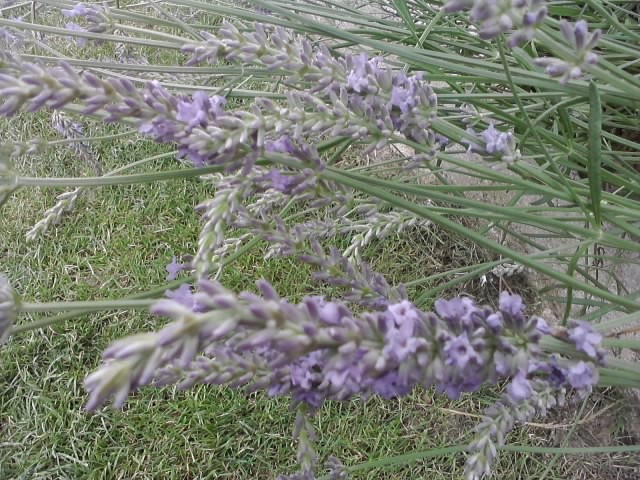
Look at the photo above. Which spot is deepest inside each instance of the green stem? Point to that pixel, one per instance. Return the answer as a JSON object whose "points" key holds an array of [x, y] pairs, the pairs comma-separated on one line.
{"points": [[90, 35], [85, 306], [116, 180]]}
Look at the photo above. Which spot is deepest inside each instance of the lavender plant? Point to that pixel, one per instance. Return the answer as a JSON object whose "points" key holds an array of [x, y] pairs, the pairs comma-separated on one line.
{"points": [[472, 109]]}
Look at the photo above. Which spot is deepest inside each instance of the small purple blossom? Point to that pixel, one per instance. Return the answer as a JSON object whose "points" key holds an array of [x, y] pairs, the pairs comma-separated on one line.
{"points": [[585, 338], [278, 181], [201, 108], [582, 43], [399, 326], [543, 326], [460, 352], [97, 17], [520, 17], [456, 310], [582, 375], [80, 10], [511, 305], [174, 268], [519, 388], [80, 41], [362, 72], [501, 144], [281, 145], [184, 296]]}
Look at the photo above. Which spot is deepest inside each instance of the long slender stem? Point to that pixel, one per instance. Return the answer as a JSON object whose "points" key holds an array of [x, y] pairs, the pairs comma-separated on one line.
{"points": [[116, 180], [85, 306]]}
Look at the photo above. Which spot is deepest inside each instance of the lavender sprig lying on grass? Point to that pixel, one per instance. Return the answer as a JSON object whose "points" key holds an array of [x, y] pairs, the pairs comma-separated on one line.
{"points": [[366, 102], [320, 350]]}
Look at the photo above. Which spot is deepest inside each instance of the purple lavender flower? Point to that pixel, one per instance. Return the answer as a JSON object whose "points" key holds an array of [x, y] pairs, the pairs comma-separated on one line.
{"points": [[391, 385], [460, 352], [80, 10], [362, 72], [319, 350], [281, 145], [582, 376], [519, 388], [457, 311], [184, 296], [511, 305], [278, 181], [97, 17], [306, 376], [363, 99], [198, 110], [501, 144], [530, 21], [585, 338], [543, 326], [174, 268], [582, 43], [399, 326], [495, 17]]}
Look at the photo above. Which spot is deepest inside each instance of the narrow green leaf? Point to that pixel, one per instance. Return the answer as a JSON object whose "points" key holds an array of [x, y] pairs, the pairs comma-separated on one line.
{"points": [[571, 268], [403, 12], [614, 323], [621, 343], [594, 152]]}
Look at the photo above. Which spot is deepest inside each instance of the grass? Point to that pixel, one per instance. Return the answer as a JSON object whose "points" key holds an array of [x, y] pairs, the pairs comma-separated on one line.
{"points": [[117, 242]]}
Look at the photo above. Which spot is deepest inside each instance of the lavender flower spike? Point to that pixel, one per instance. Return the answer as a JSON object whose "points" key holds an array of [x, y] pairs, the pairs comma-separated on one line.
{"points": [[582, 43], [97, 17], [320, 350], [495, 17], [8, 309]]}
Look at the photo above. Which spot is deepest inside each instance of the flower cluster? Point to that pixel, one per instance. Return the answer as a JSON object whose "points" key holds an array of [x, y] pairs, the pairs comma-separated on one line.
{"points": [[97, 18], [206, 134], [494, 17], [501, 417], [72, 130], [587, 340], [521, 18], [65, 204], [8, 310], [582, 43], [376, 101], [496, 143], [321, 350]]}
